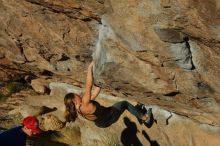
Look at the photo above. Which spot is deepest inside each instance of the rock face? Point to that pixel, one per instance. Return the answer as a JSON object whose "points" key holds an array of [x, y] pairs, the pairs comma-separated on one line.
{"points": [[195, 127], [164, 53], [47, 37], [51, 122], [161, 47]]}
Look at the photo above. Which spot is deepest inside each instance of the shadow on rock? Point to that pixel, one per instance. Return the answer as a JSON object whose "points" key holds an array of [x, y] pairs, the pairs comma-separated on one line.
{"points": [[46, 139], [128, 135], [152, 143], [45, 110]]}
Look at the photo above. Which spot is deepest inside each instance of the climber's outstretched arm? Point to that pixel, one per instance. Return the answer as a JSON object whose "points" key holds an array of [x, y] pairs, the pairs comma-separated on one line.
{"points": [[89, 83], [95, 92]]}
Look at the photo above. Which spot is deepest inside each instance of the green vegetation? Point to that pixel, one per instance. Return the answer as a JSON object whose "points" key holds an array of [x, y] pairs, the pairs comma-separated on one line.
{"points": [[2, 96], [14, 87], [65, 137], [10, 88]]}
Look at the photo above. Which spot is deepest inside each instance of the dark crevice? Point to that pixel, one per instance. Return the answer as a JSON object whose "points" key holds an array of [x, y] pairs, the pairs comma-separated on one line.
{"points": [[65, 33], [198, 98], [117, 89], [167, 120], [127, 94], [71, 13], [55, 8], [186, 39], [47, 90], [83, 58], [172, 93], [167, 7], [142, 51], [203, 86], [180, 114], [47, 73], [77, 57], [23, 79], [20, 80], [3, 67], [49, 57], [86, 19], [64, 57], [113, 94], [210, 43], [175, 83], [101, 1], [148, 62], [45, 53], [20, 46], [183, 62], [147, 92]]}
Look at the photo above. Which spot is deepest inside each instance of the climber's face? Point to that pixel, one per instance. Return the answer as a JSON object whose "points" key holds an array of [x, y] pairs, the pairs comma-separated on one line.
{"points": [[77, 99]]}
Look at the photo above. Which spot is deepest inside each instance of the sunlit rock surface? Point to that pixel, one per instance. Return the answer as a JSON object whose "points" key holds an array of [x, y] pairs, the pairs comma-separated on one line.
{"points": [[163, 53]]}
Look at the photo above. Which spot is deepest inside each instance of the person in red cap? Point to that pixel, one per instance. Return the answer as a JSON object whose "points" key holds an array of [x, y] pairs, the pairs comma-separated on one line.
{"points": [[17, 136]]}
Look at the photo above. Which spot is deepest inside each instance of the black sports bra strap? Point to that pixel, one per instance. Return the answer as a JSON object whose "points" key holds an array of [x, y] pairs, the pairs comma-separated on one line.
{"points": [[85, 115]]}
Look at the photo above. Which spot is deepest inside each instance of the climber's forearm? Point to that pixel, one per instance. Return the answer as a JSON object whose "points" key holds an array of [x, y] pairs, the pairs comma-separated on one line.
{"points": [[95, 92]]}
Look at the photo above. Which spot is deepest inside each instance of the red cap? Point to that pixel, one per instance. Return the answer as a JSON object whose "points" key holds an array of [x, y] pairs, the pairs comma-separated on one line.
{"points": [[32, 123]]}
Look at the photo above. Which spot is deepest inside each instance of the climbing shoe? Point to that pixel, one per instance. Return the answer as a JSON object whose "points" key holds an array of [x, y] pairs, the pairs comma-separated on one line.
{"points": [[141, 108], [149, 122]]}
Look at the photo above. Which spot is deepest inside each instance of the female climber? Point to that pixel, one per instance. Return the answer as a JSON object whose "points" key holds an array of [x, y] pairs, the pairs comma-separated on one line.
{"points": [[91, 110]]}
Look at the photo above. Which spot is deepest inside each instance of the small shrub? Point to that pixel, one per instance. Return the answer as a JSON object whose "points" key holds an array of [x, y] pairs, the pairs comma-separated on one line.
{"points": [[11, 88], [2, 96], [14, 87]]}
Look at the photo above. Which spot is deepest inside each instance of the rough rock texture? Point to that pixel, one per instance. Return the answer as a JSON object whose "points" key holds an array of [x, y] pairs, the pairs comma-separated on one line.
{"points": [[47, 37], [40, 86], [159, 48], [163, 53], [30, 110], [171, 128], [51, 122]]}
